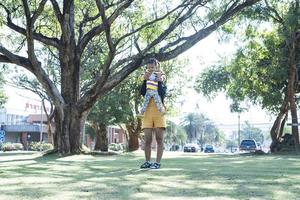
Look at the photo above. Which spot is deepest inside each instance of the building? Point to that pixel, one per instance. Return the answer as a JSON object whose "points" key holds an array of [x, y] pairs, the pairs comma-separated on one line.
{"points": [[22, 120], [23, 129]]}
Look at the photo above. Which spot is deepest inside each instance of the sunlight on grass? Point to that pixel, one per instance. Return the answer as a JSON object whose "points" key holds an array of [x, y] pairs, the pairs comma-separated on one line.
{"points": [[182, 176]]}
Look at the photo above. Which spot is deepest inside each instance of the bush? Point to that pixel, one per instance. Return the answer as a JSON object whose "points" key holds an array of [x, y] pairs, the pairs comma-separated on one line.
{"points": [[37, 146], [115, 147], [46, 146], [18, 146], [34, 146], [11, 146]]}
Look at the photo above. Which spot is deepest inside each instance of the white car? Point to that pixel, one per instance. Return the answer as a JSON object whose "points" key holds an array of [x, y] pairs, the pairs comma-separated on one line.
{"points": [[191, 147]]}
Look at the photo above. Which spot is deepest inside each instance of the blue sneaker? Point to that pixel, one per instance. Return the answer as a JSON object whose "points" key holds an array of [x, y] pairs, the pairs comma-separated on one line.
{"points": [[155, 166], [146, 165]]}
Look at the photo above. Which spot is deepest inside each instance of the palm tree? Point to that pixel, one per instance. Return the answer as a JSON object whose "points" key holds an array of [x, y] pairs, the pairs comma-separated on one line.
{"points": [[175, 135], [193, 123]]}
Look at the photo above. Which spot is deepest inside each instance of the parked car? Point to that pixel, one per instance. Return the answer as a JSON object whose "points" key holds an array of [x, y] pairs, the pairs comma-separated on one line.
{"points": [[248, 145], [209, 149], [190, 148]]}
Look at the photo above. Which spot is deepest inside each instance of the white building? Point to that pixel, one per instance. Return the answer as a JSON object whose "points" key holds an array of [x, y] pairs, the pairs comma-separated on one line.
{"points": [[22, 118]]}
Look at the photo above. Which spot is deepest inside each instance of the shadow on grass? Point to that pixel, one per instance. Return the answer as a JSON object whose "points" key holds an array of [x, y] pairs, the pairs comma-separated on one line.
{"points": [[182, 176]]}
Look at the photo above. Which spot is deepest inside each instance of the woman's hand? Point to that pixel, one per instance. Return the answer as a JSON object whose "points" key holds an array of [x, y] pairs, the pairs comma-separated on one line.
{"points": [[160, 76], [147, 75]]}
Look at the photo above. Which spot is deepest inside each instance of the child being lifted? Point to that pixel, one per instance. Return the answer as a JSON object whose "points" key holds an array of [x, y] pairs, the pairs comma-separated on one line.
{"points": [[153, 75]]}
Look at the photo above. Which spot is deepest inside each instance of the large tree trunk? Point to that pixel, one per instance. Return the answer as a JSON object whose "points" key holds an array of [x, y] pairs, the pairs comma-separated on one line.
{"points": [[101, 138], [126, 137], [50, 117], [291, 90], [67, 132], [49, 132], [133, 143], [275, 130], [280, 134], [134, 129], [68, 119], [277, 123]]}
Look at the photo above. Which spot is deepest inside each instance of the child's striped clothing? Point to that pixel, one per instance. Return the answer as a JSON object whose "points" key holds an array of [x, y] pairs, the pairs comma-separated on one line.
{"points": [[152, 85]]}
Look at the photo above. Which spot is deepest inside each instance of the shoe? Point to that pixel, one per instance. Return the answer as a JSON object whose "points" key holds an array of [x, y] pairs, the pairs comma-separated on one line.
{"points": [[155, 166], [146, 165]]}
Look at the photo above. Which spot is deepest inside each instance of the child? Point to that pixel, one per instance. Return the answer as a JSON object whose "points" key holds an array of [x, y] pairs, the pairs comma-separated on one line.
{"points": [[152, 75]]}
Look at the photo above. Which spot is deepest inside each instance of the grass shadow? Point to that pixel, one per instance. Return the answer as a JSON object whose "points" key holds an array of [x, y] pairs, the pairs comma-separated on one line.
{"points": [[181, 176]]}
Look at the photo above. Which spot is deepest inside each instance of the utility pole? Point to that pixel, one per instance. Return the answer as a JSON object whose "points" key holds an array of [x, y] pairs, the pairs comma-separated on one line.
{"points": [[41, 128], [239, 130]]}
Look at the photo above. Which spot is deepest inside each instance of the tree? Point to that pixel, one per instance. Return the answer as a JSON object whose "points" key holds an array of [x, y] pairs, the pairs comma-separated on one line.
{"points": [[175, 135], [264, 69], [250, 132], [69, 28], [212, 135], [201, 129], [3, 97], [112, 109], [192, 124]]}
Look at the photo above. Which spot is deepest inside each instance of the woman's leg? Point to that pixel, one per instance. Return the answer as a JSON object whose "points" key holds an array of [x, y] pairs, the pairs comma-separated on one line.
{"points": [[159, 133], [148, 142]]}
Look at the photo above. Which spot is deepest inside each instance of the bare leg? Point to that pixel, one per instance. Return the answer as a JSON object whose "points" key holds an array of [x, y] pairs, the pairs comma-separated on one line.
{"points": [[160, 143], [148, 142]]}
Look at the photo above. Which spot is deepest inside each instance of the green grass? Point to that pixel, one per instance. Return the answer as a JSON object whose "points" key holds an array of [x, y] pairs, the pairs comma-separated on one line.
{"points": [[182, 176]]}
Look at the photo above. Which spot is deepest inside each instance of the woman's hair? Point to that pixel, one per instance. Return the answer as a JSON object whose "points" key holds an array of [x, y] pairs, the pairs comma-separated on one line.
{"points": [[153, 61]]}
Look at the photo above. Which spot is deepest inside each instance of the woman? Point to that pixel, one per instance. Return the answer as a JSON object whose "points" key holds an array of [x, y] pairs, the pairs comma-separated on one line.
{"points": [[153, 121]]}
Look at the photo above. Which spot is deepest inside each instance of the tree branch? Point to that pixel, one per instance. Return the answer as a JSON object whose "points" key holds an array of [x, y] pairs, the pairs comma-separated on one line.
{"points": [[40, 74], [26, 9], [57, 11], [85, 20], [135, 61], [37, 36], [177, 21], [273, 10], [100, 28], [150, 23], [9, 57], [39, 11], [111, 46], [91, 96], [29, 35], [193, 39]]}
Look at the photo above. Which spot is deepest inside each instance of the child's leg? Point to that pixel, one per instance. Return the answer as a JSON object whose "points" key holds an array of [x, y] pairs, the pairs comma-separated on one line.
{"points": [[158, 102], [146, 102]]}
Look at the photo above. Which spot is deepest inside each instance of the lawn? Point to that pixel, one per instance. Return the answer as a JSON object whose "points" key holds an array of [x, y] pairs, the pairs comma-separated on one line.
{"points": [[182, 176]]}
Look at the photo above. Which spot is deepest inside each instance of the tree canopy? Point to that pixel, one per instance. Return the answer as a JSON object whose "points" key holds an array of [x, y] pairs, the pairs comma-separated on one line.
{"points": [[115, 36]]}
